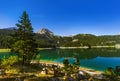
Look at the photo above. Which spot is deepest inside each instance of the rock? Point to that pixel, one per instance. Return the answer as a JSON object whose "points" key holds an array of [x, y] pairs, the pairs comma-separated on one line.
{"points": [[45, 31], [2, 72]]}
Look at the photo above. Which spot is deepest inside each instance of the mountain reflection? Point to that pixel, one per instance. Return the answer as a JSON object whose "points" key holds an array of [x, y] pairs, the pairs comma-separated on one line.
{"points": [[79, 53]]}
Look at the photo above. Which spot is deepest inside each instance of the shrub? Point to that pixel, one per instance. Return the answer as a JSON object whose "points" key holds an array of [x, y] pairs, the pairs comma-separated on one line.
{"points": [[65, 62], [7, 62], [110, 74]]}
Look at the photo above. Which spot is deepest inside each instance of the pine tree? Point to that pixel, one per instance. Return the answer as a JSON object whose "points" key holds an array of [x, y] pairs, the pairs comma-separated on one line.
{"points": [[24, 43]]}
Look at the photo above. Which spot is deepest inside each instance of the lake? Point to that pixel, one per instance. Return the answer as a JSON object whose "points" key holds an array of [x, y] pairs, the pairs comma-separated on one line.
{"points": [[98, 59]]}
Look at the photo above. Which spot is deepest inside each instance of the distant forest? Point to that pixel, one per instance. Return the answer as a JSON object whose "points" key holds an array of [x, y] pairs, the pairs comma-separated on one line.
{"points": [[45, 41]]}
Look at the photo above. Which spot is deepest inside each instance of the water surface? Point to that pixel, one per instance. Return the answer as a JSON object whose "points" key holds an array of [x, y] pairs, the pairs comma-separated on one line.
{"points": [[98, 59]]}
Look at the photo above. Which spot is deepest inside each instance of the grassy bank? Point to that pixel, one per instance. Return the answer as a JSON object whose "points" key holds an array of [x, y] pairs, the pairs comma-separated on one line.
{"points": [[8, 50], [4, 50]]}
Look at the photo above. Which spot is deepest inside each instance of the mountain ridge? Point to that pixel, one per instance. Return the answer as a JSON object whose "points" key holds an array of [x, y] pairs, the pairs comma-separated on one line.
{"points": [[49, 32], [46, 38]]}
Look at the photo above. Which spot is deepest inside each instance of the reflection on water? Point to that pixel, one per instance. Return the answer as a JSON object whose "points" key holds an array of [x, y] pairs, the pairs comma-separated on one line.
{"points": [[98, 59]]}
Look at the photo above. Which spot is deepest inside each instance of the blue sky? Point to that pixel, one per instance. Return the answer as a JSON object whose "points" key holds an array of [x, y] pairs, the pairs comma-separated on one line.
{"points": [[65, 17]]}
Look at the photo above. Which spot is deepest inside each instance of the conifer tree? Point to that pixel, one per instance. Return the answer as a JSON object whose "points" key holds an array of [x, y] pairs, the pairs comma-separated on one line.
{"points": [[24, 43]]}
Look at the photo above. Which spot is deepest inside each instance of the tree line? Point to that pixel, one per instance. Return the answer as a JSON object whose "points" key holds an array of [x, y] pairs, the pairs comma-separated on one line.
{"points": [[44, 41]]}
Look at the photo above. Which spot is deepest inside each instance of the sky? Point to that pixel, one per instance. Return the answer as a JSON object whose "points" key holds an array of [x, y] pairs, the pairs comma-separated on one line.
{"points": [[65, 17]]}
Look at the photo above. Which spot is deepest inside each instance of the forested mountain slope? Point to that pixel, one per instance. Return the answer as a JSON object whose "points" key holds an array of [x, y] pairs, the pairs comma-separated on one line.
{"points": [[46, 38]]}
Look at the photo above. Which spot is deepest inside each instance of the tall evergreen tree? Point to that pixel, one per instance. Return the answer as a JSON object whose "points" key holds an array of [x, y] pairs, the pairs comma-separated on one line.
{"points": [[24, 43]]}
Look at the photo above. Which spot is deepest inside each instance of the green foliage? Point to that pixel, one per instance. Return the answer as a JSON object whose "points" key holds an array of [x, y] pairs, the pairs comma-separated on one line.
{"points": [[24, 42], [38, 58], [111, 74], [51, 41], [5, 38], [66, 62], [7, 62], [70, 68], [76, 62]]}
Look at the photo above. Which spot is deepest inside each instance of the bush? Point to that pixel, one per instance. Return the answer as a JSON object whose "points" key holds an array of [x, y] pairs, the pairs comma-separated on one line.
{"points": [[7, 62], [70, 68], [111, 74], [65, 62]]}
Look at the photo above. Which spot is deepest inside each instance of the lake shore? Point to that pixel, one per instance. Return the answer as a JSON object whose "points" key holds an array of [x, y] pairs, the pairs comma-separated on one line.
{"points": [[81, 47], [5, 50], [86, 47], [87, 70]]}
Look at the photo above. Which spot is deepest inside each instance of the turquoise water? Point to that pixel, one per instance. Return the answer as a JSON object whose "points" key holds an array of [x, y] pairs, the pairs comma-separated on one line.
{"points": [[98, 59]]}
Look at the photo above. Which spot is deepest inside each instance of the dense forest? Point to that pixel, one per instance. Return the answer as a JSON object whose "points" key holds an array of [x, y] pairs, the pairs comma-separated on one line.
{"points": [[48, 40]]}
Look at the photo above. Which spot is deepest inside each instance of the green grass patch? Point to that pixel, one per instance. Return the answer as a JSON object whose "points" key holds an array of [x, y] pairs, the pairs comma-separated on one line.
{"points": [[4, 50]]}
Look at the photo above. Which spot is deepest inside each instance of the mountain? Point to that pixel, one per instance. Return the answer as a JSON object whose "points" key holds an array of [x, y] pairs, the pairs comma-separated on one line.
{"points": [[9, 28], [7, 31], [45, 31], [46, 38]]}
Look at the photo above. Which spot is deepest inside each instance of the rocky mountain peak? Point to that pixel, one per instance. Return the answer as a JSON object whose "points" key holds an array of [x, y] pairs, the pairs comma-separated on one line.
{"points": [[45, 31]]}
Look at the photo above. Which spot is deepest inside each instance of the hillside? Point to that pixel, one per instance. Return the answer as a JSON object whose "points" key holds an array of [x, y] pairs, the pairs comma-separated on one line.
{"points": [[46, 38]]}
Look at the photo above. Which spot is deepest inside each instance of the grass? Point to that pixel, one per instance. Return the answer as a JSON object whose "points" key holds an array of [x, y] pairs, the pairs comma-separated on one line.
{"points": [[8, 50], [4, 50]]}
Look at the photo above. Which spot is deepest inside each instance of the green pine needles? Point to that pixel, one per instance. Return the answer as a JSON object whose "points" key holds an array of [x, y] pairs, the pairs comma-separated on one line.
{"points": [[24, 43]]}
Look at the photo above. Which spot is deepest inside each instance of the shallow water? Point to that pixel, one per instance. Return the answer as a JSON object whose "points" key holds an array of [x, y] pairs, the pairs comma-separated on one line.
{"points": [[98, 59]]}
